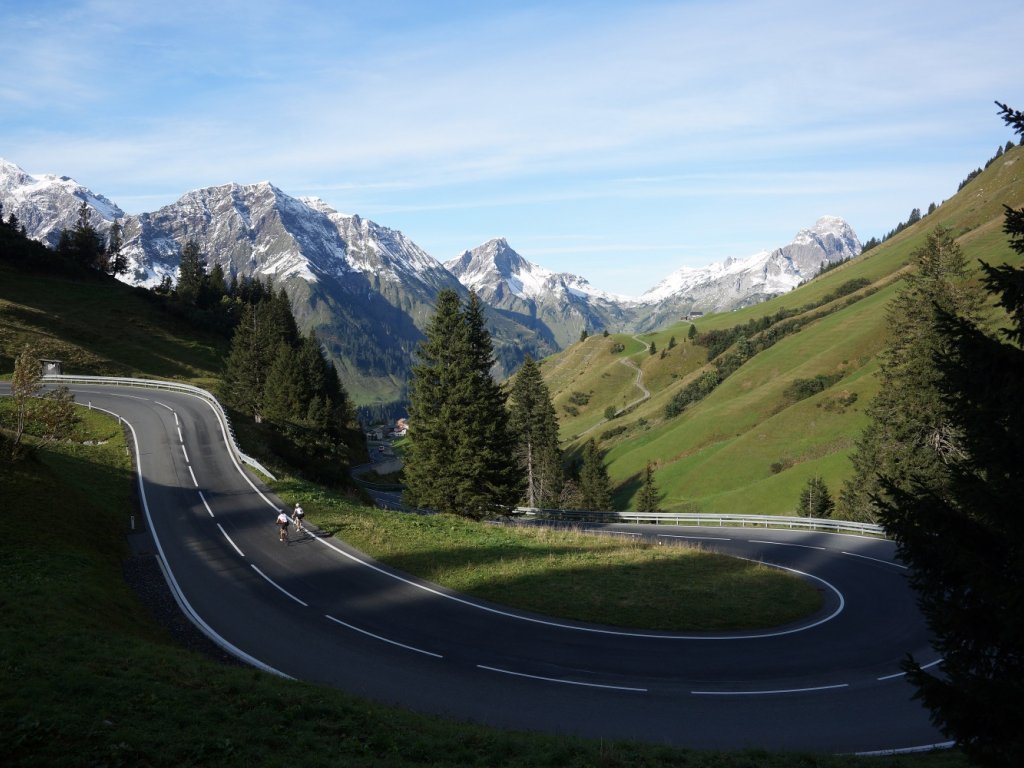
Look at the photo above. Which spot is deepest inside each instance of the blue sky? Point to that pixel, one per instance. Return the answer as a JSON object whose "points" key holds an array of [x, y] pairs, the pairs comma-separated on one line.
{"points": [[615, 140]]}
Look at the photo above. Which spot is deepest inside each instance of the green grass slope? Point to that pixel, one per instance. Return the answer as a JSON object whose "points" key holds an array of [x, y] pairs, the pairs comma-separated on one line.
{"points": [[100, 326], [747, 447]]}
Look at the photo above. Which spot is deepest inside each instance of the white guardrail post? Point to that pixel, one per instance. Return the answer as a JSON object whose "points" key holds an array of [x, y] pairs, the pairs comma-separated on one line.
{"points": [[172, 386], [713, 520]]}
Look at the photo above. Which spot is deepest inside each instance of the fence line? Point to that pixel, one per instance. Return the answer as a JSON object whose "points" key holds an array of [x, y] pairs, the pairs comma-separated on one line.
{"points": [[705, 519], [170, 386]]}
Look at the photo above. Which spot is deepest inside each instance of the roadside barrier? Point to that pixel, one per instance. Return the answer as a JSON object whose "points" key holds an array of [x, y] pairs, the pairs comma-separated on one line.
{"points": [[705, 519], [174, 386]]}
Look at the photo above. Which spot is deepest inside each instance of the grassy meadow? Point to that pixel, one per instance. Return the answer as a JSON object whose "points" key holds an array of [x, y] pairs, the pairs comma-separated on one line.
{"points": [[747, 448]]}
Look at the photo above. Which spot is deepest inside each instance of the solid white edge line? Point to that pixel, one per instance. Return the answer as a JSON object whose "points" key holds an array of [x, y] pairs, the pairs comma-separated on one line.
{"points": [[601, 630], [382, 639], [907, 750], [875, 559], [193, 476], [769, 693], [902, 674], [232, 543], [179, 596], [560, 681], [692, 538], [277, 586], [203, 498]]}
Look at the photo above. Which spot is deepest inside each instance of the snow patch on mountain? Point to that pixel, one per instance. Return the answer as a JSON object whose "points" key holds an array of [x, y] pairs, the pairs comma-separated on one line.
{"points": [[46, 204]]}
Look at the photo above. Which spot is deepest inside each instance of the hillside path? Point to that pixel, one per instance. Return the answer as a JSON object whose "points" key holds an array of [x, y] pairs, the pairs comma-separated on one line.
{"points": [[638, 382]]}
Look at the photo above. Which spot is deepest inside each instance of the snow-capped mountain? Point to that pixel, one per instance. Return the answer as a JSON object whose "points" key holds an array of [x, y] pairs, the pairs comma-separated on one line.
{"points": [[767, 272], [46, 204], [369, 290], [558, 304], [735, 283]]}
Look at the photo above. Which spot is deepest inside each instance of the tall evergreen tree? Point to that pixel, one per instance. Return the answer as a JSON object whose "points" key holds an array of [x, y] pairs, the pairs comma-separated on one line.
{"points": [[815, 499], [191, 273], [595, 487], [648, 498], [911, 432], [461, 457], [535, 426], [83, 243], [117, 261], [964, 539], [248, 362]]}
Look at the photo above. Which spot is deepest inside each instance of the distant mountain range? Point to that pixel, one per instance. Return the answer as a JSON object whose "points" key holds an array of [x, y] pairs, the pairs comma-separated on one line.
{"points": [[369, 290]]}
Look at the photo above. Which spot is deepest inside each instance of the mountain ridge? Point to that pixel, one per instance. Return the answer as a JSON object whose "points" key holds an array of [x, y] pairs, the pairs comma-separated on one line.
{"points": [[366, 288]]}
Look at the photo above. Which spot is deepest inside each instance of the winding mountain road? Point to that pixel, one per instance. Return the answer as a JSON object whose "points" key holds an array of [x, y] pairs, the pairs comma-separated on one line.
{"points": [[317, 610]]}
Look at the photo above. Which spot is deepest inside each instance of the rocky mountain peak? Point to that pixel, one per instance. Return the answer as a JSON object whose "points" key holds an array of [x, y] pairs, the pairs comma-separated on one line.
{"points": [[47, 204]]}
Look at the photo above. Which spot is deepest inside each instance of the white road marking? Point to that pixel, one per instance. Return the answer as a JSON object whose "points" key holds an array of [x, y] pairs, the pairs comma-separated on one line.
{"points": [[240, 552], [559, 680], [179, 595], [185, 453], [769, 693], [693, 538], [601, 630], [180, 438], [162, 405], [877, 560], [205, 504], [277, 586], [901, 674], [176, 422], [785, 544], [382, 639], [193, 476], [892, 677]]}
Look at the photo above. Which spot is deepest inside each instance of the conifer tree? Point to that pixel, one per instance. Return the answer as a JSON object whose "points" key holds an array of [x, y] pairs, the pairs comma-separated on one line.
{"points": [[83, 244], [815, 499], [117, 262], [248, 362], [535, 426], [963, 539], [191, 273], [595, 487], [647, 500], [461, 458], [911, 432]]}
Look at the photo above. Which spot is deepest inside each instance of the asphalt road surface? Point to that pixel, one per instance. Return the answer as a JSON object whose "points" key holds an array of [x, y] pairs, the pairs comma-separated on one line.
{"points": [[317, 610]]}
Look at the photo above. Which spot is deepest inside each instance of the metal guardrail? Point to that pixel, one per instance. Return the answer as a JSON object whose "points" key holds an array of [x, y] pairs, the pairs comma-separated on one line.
{"points": [[170, 386], [705, 519]]}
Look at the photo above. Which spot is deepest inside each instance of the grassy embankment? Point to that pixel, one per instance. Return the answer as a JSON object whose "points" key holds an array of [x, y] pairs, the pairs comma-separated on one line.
{"points": [[747, 447], [87, 678]]}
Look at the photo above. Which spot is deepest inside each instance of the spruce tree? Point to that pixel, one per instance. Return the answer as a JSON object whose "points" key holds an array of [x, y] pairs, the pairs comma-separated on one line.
{"points": [[647, 500], [461, 457], [191, 273], [117, 262], [535, 426], [83, 243], [595, 487], [815, 499], [911, 432], [963, 540], [248, 362]]}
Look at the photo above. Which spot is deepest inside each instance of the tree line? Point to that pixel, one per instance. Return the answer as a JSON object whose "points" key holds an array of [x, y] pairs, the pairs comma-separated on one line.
{"points": [[478, 449], [941, 467]]}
